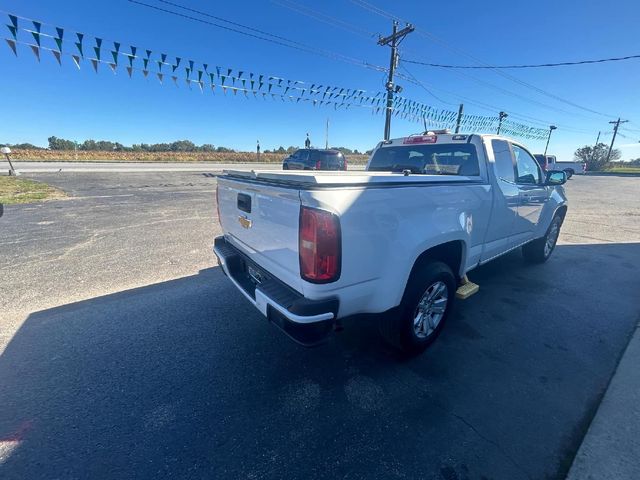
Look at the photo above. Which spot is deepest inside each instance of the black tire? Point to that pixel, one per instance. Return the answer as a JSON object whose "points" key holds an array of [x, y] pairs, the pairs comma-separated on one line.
{"points": [[398, 329], [569, 173], [285, 166], [536, 251]]}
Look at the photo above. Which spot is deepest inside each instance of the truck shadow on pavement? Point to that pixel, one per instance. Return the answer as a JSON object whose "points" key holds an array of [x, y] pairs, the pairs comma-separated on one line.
{"points": [[184, 379]]}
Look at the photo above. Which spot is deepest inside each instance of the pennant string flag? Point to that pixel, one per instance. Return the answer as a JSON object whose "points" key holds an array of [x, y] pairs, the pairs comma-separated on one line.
{"points": [[317, 95]]}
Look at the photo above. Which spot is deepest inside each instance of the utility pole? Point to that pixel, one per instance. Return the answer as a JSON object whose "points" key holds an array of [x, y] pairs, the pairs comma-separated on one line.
{"points": [[551, 129], [393, 41], [615, 132], [326, 137], [502, 116], [459, 120], [593, 153]]}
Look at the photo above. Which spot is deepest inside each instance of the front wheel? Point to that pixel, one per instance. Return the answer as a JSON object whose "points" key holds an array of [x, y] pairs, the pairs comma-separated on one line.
{"points": [[541, 249], [424, 309]]}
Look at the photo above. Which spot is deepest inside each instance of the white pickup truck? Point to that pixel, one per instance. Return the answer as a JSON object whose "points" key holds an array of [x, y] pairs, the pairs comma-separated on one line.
{"points": [[550, 162], [393, 243]]}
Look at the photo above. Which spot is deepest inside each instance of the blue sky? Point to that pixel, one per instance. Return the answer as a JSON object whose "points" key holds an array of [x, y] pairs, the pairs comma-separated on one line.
{"points": [[43, 99]]}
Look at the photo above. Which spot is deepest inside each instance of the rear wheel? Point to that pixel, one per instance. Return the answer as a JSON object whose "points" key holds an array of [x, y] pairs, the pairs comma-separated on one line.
{"points": [[424, 308], [285, 166], [541, 249]]}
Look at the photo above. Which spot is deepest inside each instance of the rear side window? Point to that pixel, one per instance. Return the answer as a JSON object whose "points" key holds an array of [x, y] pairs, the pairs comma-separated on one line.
{"points": [[328, 159], [503, 164], [445, 159]]}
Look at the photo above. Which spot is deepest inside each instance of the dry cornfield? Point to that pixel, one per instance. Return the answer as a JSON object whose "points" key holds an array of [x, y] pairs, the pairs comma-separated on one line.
{"points": [[98, 156]]}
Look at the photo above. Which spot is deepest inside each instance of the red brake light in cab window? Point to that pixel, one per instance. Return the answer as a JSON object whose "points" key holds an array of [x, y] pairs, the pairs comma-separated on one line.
{"points": [[319, 245], [420, 139]]}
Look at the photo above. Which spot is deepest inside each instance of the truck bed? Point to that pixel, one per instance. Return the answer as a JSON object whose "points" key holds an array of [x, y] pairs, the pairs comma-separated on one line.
{"points": [[327, 179]]}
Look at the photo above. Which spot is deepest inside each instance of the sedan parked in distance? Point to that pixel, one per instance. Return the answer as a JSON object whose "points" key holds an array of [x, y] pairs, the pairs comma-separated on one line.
{"points": [[315, 159]]}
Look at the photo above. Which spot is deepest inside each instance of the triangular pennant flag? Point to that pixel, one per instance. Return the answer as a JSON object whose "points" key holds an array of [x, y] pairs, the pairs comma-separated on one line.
{"points": [[224, 90], [175, 79], [188, 72], [134, 50], [213, 88], [12, 46], [59, 43], [97, 50], [79, 44], [188, 82], [14, 20], [206, 67], [14, 31], [58, 56], [145, 62], [76, 60], [36, 51], [94, 62], [60, 32], [114, 53], [130, 71], [175, 67], [191, 62], [223, 79], [160, 77], [98, 42], [36, 36], [113, 67], [200, 72], [145, 73]]}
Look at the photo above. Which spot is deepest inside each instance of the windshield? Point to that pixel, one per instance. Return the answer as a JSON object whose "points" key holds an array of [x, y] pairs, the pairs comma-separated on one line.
{"points": [[445, 159]]}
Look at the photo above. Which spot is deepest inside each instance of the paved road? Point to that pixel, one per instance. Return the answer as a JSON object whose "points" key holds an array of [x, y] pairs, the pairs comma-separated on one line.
{"points": [[133, 167], [125, 352]]}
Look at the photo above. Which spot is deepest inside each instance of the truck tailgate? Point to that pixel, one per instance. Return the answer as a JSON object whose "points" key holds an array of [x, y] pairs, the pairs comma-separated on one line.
{"points": [[262, 221]]}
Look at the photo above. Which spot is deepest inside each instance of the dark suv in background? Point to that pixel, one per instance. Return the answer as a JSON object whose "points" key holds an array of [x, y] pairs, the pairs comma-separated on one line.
{"points": [[315, 159]]}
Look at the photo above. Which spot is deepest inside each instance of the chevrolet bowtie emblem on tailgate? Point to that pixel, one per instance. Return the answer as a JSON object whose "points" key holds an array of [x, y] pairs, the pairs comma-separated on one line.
{"points": [[244, 221]]}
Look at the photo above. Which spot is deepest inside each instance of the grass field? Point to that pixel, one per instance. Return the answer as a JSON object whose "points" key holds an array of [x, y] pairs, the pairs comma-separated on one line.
{"points": [[623, 169], [18, 190], [82, 156]]}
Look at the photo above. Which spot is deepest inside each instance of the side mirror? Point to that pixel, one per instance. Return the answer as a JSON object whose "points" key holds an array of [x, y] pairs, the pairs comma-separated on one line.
{"points": [[555, 177], [5, 150]]}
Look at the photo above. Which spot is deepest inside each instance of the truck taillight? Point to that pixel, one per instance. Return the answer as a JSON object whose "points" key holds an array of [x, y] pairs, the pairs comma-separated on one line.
{"points": [[319, 245]]}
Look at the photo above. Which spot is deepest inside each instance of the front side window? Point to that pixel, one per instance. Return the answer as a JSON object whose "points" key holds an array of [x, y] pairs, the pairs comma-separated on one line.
{"points": [[445, 159], [527, 170]]}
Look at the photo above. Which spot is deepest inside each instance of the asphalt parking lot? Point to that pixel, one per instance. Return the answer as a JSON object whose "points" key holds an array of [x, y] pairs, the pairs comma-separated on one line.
{"points": [[125, 352]]}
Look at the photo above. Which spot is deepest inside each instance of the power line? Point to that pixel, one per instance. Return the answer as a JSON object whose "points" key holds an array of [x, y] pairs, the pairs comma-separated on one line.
{"points": [[259, 35], [485, 106], [538, 65], [379, 11], [323, 17]]}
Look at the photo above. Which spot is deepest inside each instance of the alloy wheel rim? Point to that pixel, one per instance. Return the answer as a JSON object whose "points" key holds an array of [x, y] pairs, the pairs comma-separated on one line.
{"points": [[430, 310], [552, 238]]}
